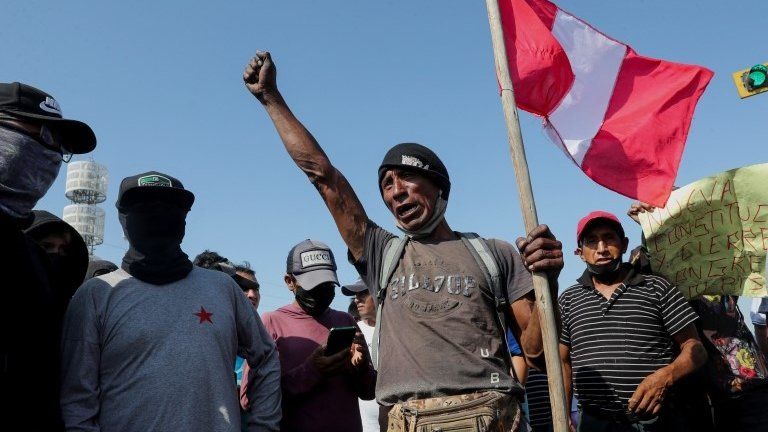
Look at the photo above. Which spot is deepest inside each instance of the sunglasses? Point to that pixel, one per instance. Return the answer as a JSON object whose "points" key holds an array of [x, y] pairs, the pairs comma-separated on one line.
{"points": [[245, 284]]}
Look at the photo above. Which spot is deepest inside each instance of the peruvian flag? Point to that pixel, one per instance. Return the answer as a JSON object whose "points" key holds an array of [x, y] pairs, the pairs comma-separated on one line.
{"points": [[621, 117]]}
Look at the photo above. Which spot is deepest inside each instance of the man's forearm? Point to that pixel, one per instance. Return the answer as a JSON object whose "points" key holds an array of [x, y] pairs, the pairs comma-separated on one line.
{"points": [[298, 141], [532, 340], [568, 385], [692, 356]]}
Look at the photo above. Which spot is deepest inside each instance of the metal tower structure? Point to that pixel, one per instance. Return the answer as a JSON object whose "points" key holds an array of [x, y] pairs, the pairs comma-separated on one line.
{"points": [[86, 187]]}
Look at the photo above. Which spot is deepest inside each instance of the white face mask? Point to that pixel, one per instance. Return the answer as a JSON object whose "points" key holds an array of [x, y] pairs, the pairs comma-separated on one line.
{"points": [[27, 171], [440, 206]]}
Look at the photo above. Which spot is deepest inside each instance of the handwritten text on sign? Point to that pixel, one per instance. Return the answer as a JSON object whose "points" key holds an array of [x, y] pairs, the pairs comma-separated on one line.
{"points": [[712, 237]]}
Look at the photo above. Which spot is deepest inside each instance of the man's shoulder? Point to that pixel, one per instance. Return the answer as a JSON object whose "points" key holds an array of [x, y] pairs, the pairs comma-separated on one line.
{"points": [[572, 290], [376, 238], [656, 281], [340, 317], [500, 245]]}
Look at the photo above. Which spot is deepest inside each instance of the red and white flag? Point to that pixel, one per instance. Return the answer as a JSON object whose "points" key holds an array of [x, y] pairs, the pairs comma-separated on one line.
{"points": [[621, 117]]}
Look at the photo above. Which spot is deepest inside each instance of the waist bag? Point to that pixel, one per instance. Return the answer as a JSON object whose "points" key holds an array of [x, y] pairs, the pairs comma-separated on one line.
{"points": [[489, 411]]}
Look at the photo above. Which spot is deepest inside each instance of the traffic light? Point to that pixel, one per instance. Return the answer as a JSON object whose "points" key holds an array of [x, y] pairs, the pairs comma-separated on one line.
{"points": [[752, 81]]}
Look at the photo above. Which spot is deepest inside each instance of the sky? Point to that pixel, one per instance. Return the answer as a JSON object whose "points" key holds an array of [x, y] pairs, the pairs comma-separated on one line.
{"points": [[160, 84]]}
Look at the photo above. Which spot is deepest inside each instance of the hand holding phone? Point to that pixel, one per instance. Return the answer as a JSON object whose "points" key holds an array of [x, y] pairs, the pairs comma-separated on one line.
{"points": [[339, 338]]}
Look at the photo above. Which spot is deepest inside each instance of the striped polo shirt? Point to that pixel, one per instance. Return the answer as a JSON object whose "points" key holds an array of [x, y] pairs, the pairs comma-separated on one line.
{"points": [[615, 343], [537, 393]]}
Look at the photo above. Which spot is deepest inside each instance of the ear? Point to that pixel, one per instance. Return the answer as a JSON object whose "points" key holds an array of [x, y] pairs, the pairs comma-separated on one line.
{"points": [[580, 252], [624, 245], [290, 282]]}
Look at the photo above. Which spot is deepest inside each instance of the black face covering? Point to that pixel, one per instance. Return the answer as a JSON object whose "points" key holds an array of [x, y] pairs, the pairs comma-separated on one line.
{"points": [[315, 301], [155, 231], [63, 276], [606, 271]]}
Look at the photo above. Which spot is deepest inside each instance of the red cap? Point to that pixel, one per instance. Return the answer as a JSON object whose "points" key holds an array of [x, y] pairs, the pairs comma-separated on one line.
{"points": [[595, 215]]}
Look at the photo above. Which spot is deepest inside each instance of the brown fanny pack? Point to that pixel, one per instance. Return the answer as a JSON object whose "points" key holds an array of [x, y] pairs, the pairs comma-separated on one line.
{"points": [[489, 411]]}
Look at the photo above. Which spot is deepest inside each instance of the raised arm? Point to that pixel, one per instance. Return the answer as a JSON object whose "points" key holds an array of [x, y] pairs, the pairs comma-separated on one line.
{"points": [[260, 78]]}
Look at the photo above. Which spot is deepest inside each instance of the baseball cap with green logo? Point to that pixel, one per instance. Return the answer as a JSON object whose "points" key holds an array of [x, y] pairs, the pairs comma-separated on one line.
{"points": [[153, 185]]}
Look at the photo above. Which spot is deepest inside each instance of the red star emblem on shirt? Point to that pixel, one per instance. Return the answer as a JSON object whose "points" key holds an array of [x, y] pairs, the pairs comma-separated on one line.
{"points": [[204, 315]]}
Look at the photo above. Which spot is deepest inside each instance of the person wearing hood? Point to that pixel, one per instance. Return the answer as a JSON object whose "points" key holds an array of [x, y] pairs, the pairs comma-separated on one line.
{"points": [[438, 287], [150, 346], [34, 141], [627, 338], [66, 251], [320, 389]]}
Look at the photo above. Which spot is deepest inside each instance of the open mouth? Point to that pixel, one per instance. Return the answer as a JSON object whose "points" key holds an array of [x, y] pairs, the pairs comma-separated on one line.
{"points": [[406, 211]]}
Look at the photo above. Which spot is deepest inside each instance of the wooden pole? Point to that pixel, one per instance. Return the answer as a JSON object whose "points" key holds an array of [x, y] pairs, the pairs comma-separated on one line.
{"points": [[528, 207]]}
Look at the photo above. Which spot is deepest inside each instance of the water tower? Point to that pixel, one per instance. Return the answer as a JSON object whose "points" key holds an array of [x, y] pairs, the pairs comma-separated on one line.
{"points": [[86, 187]]}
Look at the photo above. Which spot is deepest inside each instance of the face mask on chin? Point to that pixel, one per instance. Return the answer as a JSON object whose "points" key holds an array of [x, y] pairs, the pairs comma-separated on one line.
{"points": [[27, 171], [317, 300], [437, 216], [605, 271]]}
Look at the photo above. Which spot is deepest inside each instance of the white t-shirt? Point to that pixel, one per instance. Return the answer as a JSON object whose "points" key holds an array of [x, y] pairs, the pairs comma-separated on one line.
{"points": [[369, 410]]}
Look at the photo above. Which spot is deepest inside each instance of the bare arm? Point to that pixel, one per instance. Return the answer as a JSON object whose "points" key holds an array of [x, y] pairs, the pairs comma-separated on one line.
{"points": [[260, 78], [520, 369], [648, 398], [541, 252], [565, 360]]}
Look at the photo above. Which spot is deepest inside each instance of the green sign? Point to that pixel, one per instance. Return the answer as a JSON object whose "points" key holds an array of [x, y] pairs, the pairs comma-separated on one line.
{"points": [[712, 237]]}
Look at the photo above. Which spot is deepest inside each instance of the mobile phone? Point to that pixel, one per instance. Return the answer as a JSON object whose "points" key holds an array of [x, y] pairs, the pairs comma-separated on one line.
{"points": [[339, 338]]}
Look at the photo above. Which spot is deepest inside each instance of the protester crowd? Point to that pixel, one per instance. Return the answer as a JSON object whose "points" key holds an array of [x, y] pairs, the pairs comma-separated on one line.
{"points": [[443, 331]]}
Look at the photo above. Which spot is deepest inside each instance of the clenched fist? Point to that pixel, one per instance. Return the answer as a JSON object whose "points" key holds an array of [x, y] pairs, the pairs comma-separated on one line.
{"points": [[260, 76]]}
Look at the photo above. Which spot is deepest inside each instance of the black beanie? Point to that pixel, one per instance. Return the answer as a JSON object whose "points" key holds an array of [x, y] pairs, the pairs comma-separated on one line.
{"points": [[416, 157]]}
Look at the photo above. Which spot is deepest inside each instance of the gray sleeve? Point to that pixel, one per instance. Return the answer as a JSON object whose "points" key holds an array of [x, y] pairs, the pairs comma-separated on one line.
{"points": [[81, 357], [369, 264], [519, 281], [256, 346]]}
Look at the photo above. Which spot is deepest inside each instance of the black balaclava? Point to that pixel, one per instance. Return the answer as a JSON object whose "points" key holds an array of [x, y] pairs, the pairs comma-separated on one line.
{"points": [[317, 300], [154, 231]]}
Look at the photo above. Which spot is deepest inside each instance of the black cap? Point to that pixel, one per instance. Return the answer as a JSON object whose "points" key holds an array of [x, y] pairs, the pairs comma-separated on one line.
{"points": [[153, 185], [28, 102], [416, 157], [354, 288]]}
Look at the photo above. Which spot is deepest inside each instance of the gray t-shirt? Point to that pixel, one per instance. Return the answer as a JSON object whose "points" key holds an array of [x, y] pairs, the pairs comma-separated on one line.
{"points": [[439, 333], [140, 357]]}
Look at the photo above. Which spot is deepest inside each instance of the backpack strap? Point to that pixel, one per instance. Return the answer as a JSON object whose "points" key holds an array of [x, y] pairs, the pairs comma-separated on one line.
{"points": [[480, 250], [393, 250]]}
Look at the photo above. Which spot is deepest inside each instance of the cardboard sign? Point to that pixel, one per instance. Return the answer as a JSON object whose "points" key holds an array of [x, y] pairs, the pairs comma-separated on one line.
{"points": [[712, 237]]}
